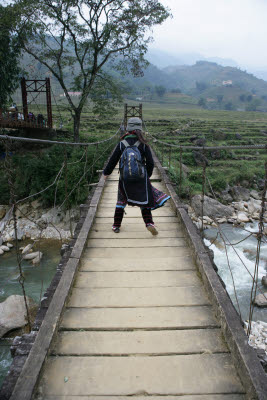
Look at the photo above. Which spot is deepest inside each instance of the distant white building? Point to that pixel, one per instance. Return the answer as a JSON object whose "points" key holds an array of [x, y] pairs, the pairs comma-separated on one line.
{"points": [[71, 94], [227, 83]]}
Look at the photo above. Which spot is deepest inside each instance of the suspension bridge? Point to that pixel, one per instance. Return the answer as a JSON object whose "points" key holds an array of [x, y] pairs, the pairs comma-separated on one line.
{"points": [[135, 315]]}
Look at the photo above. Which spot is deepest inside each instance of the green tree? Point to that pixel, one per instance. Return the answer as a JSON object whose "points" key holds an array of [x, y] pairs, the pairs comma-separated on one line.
{"points": [[201, 86], [9, 60], [229, 106], [253, 105], [160, 90], [202, 102], [84, 35], [220, 98]]}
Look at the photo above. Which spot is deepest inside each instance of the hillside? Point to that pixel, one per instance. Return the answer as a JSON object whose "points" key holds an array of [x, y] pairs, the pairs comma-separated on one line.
{"points": [[213, 75], [202, 82]]}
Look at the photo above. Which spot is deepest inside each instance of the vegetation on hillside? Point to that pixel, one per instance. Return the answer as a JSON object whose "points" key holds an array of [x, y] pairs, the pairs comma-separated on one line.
{"points": [[9, 61], [82, 36]]}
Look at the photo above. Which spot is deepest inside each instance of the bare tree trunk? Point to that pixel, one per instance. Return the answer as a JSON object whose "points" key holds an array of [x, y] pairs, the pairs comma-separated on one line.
{"points": [[76, 125]]}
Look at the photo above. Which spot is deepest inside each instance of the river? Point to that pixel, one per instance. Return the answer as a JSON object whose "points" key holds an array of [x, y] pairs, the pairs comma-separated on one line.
{"points": [[243, 253], [37, 279]]}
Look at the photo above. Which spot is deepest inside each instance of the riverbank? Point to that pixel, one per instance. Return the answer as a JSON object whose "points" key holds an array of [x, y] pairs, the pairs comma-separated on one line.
{"points": [[37, 279], [35, 222], [237, 213]]}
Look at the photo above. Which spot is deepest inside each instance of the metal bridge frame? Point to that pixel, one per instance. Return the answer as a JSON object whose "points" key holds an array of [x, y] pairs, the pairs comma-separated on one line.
{"points": [[132, 111], [37, 86]]}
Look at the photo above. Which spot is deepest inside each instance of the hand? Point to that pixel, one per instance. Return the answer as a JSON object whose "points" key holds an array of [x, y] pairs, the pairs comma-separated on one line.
{"points": [[105, 177]]}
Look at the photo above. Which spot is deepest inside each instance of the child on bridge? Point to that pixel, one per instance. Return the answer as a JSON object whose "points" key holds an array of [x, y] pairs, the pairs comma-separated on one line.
{"points": [[136, 167]]}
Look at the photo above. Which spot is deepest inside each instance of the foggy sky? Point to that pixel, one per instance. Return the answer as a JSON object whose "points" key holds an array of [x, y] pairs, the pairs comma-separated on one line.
{"points": [[235, 29]]}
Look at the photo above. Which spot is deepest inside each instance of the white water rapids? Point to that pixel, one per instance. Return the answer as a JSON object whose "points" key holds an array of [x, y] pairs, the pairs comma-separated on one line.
{"points": [[242, 263]]}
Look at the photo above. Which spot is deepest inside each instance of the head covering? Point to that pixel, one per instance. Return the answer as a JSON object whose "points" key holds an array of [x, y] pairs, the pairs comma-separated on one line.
{"points": [[134, 124]]}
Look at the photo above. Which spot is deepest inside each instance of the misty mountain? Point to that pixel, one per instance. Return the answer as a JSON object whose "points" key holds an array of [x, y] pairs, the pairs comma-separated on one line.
{"points": [[162, 59]]}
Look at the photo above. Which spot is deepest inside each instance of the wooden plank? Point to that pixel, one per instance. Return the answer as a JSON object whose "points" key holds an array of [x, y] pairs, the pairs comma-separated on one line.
{"points": [[137, 297], [137, 279], [135, 212], [153, 241], [142, 234], [138, 227], [137, 264], [155, 318], [213, 373], [126, 220], [140, 342], [138, 252]]}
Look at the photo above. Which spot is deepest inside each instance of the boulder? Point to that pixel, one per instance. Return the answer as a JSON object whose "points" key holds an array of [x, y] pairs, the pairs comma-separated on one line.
{"points": [[199, 158], [200, 142], [207, 220], [2, 211], [54, 216], [31, 256], [5, 248], [254, 206], [1, 251], [36, 204], [261, 184], [22, 210], [13, 313], [10, 245], [27, 249], [240, 193], [242, 217], [37, 259], [222, 220], [255, 195], [225, 196], [20, 234], [261, 300], [212, 208]]}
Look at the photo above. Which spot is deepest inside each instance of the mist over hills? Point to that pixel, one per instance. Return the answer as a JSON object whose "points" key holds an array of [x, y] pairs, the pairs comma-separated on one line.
{"points": [[217, 83], [162, 59]]}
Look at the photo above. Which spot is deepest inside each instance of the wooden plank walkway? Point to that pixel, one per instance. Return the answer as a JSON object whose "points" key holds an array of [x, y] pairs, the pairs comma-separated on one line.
{"points": [[138, 321]]}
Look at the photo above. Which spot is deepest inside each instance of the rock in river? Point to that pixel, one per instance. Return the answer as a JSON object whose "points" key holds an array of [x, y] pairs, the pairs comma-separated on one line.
{"points": [[212, 208], [31, 256], [12, 313], [240, 193], [261, 300]]}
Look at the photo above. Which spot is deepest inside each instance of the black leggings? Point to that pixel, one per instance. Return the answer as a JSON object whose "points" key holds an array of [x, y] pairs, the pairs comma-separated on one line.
{"points": [[118, 216]]}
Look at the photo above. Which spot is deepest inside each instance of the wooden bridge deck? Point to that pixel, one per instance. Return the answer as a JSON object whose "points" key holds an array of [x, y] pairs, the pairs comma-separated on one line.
{"points": [[138, 321]]}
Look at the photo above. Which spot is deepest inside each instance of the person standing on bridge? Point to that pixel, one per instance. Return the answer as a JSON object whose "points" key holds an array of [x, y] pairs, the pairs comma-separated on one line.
{"points": [[135, 187]]}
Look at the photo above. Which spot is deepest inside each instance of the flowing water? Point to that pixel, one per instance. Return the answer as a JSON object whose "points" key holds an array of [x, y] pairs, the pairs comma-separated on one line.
{"points": [[37, 280], [242, 263]]}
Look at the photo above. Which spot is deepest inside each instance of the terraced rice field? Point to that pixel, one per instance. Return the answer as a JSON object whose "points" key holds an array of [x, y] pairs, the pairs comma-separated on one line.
{"points": [[225, 167]]}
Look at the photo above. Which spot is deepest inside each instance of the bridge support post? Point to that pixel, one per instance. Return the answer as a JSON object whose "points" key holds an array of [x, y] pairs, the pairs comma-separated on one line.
{"points": [[48, 103], [24, 98]]}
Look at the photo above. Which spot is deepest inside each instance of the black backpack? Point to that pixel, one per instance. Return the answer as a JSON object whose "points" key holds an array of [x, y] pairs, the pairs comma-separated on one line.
{"points": [[132, 168]]}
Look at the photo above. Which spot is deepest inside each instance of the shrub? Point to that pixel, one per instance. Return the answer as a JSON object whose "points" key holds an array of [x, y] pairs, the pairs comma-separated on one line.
{"points": [[36, 171]]}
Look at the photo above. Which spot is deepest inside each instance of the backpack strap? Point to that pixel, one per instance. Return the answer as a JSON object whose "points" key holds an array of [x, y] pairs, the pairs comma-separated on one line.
{"points": [[137, 143], [126, 144]]}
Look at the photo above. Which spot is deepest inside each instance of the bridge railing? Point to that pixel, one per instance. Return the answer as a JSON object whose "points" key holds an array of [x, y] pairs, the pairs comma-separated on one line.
{"points": [[171, 156]]}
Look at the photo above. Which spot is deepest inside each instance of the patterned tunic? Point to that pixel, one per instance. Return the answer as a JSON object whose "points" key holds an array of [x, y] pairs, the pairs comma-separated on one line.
{"points": [[142, 193]]}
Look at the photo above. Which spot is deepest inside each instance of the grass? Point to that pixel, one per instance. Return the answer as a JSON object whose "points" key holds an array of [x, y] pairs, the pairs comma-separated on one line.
{"points": [[175, 121]]}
